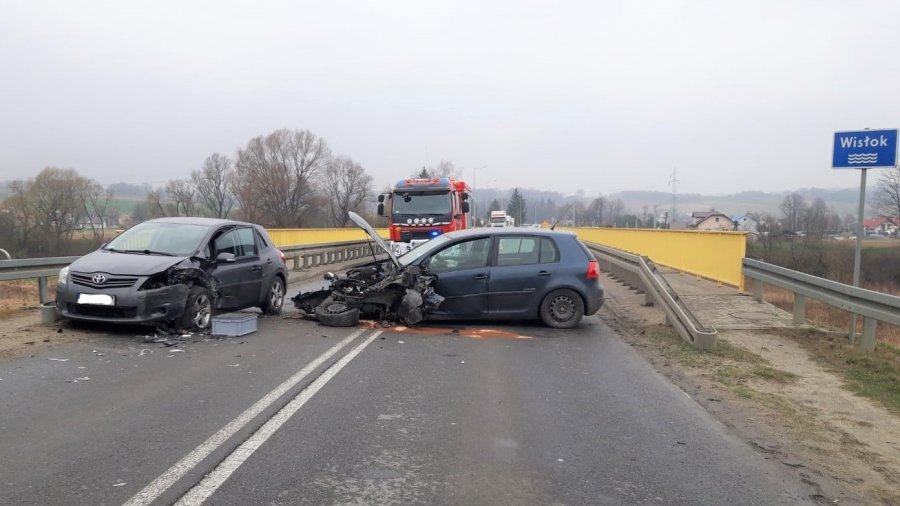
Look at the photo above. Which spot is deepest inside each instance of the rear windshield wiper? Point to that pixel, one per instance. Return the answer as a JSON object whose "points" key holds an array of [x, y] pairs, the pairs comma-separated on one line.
{"points": [[147, 252]]}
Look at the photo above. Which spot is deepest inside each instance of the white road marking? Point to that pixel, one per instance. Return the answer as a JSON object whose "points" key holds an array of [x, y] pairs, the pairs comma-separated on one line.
{"points": [[203, 490], [162, 483]]}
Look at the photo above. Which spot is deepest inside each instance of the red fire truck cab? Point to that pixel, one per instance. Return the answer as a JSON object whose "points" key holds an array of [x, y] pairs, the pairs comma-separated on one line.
{"points": [[420, 209]]}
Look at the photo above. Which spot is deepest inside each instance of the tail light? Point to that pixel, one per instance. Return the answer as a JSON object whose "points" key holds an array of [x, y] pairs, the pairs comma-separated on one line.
{"points": [[593, 271], [283, 259]]}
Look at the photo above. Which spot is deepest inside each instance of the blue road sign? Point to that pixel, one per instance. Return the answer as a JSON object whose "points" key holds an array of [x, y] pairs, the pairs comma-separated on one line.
{"points": [[864, 149]]}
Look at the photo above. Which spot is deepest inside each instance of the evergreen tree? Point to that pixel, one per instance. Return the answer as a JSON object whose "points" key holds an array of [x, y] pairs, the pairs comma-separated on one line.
{"points": [[516, 207]]}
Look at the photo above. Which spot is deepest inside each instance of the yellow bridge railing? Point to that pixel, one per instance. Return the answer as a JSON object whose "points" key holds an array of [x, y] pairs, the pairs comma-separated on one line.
{"points": [[303, 236], [712, 255]]}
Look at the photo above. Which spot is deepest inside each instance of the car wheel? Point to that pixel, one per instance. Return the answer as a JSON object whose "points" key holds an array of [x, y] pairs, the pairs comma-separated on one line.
{"points": [[562, 309], [336, 314], [275, 298], [197, 310]]}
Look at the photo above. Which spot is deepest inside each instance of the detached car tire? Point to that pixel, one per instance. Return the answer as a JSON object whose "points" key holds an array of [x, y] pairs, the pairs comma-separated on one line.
{"points": [[274, 300], [562, 309], [336, 314], [197, 310]]}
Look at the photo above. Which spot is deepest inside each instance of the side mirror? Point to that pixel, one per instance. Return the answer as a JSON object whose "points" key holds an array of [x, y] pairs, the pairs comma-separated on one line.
{"points": [[381, 197], [465, 206], [380, 209], [225, 258]]}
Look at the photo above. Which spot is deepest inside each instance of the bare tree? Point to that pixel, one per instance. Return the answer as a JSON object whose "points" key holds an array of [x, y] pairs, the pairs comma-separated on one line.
{"points": [[346, 186], [213, 185], [597, 210], [887, 193], [156, 205], [182, 193], [615, 208], [53, 197], [767, 231], [95, 202], [793, 209], [274, 175]]}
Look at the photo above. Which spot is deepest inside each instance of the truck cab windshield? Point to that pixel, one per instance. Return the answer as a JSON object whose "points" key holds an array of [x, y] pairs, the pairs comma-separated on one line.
{"points": [[433, 203]]}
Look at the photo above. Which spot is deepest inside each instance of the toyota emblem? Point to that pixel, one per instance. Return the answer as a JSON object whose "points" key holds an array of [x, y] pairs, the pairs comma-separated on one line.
{"points": [[99, 279]]}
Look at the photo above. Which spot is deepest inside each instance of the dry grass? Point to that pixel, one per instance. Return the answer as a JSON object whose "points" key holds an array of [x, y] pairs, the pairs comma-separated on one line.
{"points": [[825, 316], [20, 295]]}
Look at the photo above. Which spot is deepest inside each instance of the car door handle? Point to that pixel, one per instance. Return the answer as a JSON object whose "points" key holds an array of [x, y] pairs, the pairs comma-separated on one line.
{"points": [[256, 268], [543, 273], [481, 276]]}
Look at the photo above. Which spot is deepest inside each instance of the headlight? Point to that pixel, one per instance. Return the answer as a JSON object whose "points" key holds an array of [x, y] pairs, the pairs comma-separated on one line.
{"points": [[409, 221], [63, 276], [416, 221], [430, 220]]}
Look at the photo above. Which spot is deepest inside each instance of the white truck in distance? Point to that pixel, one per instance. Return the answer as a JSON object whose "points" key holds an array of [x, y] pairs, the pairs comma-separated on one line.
{"points": [[501, 219]]}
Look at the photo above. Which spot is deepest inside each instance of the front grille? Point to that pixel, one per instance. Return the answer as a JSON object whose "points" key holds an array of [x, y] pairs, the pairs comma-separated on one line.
{"points": [[103, 311], [414, 235], [83, 279]]}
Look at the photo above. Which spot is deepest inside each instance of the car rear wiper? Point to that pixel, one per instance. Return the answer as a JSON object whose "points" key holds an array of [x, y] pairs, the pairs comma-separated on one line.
{"points": [[148, 252]]}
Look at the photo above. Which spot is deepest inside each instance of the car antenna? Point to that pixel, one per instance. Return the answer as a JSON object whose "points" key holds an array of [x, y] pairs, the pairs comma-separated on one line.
{"points": [[559, 216]]}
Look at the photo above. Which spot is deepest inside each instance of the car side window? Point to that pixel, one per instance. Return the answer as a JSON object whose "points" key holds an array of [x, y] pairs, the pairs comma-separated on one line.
{"points": [[549, 252], [247, 241], [227, 243], [518, 250], [470, 254]]}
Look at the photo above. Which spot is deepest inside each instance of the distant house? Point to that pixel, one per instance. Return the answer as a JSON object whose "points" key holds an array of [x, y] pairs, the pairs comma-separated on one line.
{"points": [[745, 223], [881, 225], [710, 220]]}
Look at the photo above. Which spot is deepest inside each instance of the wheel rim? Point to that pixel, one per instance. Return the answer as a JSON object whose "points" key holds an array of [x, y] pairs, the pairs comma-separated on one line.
{"points": [[336, 308], [562, 308], [202, 311], [277, 296]]}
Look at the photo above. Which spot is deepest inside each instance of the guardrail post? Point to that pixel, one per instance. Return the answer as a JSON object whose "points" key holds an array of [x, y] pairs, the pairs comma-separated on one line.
{"points": [[867, 340], [297, 262], [42, 289], [799, 309], [757, 290]]}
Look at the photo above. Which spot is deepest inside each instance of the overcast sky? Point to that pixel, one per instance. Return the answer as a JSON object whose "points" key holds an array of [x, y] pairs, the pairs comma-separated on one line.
{"points": [[599, 96]]}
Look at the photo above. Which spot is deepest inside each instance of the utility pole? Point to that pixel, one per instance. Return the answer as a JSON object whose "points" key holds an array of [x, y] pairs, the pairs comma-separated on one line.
{"points": [[673, 180]]}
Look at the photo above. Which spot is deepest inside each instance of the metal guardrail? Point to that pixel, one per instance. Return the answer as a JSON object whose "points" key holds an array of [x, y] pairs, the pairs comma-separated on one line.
{"points": [[29, 268], [873, 306], [640, 271], [303, 257]]}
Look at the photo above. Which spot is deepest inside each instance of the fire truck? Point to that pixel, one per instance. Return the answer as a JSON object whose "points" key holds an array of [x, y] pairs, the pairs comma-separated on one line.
{"points": [[423, 208]]}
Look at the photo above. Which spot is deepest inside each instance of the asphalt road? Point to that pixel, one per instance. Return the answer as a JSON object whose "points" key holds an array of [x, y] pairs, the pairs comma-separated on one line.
{"points": [[302, 414]]}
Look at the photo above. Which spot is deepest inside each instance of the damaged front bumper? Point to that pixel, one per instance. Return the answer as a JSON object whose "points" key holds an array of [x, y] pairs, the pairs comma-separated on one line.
{"points": [[130, 305]]}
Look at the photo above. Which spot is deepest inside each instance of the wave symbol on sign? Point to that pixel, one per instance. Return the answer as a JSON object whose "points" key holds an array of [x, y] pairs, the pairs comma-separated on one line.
{"points": [[859, 158]]}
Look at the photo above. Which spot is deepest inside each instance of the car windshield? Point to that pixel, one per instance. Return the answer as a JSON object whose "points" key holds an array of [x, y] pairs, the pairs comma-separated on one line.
{"points": [[176, 239], [418, 203], [422, 249]]}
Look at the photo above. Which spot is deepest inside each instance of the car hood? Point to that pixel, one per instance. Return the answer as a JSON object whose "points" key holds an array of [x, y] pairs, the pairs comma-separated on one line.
{"points": [[113, 262], [363, 224]]}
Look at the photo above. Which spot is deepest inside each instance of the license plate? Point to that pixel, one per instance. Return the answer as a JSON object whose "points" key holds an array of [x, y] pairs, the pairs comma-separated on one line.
{"points": [[96, 299]]}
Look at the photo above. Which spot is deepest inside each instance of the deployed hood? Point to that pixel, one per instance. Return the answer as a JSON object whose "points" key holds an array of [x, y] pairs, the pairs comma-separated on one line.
{"points": [[363, 224], [133, 264]]}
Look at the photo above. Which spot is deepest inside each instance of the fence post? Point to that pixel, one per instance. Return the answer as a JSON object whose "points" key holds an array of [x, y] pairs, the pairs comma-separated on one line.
{"points": [[799, 309], [42, 289], [867, 340], [757, 290], [297, 262]]}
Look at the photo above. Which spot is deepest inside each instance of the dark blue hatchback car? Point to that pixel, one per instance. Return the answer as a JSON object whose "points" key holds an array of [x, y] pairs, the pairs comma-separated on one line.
{"points": [[480, 273]]}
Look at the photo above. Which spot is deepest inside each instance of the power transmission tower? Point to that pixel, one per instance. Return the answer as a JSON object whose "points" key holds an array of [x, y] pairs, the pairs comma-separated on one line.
{"points": [[673, 180]]}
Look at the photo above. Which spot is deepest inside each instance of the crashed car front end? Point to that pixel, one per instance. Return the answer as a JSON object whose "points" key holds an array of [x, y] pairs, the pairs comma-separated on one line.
{"points": [[379, 291], [93, 295]]}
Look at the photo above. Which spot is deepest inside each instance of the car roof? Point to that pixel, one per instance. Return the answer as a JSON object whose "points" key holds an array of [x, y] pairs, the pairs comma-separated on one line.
{"points": [[192, 220], [479, 231]]}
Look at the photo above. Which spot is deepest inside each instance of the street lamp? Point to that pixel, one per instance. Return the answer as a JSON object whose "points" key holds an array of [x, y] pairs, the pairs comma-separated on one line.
{"points": [[474, 214]]}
